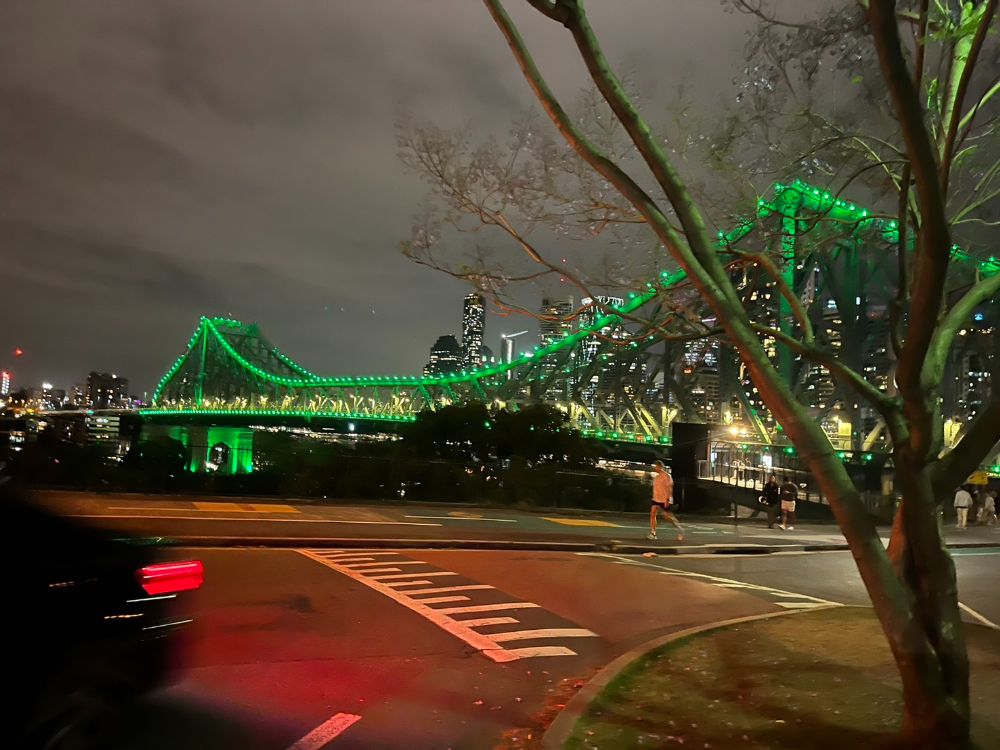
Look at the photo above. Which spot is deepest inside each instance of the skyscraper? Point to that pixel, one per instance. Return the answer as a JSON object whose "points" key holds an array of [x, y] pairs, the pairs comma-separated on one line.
{"points": [[446, 356], [4, 383], [473, 327], [554, 323]]}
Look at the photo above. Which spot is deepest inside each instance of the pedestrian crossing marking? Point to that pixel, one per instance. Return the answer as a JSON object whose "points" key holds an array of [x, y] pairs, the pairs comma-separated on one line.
{"points": [[488, 644]]}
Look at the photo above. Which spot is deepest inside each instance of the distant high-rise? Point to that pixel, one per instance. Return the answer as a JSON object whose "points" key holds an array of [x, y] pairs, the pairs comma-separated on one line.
{"points": [[106, 391], [4, 383], [597, 385], [473, 327], [554, 319], [554, 323], [446, 356]]}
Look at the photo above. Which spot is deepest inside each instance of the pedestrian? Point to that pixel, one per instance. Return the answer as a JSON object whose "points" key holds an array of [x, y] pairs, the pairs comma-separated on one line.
{"points": [[789, 491], [988, 515], [663, 492], [770, 499], [963, 501]]}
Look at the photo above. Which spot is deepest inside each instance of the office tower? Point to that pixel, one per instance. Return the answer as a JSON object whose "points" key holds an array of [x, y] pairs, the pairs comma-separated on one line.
{"points": [[446, 356], [473, 327]]}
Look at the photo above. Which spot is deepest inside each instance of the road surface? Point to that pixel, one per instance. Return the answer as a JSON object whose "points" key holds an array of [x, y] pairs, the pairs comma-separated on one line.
{"points": [[327, 648]]}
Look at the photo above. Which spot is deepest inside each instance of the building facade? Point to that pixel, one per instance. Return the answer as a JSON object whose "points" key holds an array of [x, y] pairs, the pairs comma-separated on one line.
{"points": [[446, 356], [106, 391], [473, 329]]}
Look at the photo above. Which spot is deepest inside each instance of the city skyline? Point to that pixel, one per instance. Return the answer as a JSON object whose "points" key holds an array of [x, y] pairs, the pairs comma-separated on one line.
{"points": [[167, 187]]}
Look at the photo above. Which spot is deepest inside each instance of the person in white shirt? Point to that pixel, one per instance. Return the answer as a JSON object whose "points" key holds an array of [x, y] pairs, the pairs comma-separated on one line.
{"points": [[963, 501], [663, 491]]}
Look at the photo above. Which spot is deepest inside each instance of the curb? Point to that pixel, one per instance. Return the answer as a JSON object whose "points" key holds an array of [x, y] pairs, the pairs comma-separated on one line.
{"points": [[561, 728], [608, 545], [484, 544]]}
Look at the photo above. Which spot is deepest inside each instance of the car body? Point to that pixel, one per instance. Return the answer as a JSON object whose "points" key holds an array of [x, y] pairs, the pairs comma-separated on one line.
{"points": [[91, 618]]}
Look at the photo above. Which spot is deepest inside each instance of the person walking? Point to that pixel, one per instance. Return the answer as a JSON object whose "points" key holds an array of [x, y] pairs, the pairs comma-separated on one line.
{"points": [[663, 492], [963, 501], [789, 492], [988, 514], [770, 498]]}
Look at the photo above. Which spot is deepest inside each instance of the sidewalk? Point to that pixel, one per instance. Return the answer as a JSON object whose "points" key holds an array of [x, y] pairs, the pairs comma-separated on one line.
{"points": [[292, 522]]}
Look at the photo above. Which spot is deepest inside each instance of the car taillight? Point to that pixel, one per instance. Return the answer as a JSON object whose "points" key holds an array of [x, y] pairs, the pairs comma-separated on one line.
{"points": [[171, 577]]}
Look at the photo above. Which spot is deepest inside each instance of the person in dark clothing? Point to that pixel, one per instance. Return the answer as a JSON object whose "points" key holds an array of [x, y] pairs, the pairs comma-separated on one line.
{"points": [[789, 493], [770, 498]]}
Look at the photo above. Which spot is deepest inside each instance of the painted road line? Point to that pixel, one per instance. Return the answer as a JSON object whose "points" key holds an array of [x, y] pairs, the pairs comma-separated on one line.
{"points": [[464, 518], [487, 607], [974, 551], [363, 566], [800, 605], [581, 522], [347, 556], [528, 653], [326, 732], [482, 643], [198, 510], [524, 635], [442, 599], [490, 621], [714, 580], [435, 574], [248, 520], [448, 589], [978, 617], [397, 584], [381, 570]]}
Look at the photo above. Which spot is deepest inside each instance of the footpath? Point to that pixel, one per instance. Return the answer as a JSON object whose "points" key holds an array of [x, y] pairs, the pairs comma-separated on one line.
{"points": [[292, 522]]}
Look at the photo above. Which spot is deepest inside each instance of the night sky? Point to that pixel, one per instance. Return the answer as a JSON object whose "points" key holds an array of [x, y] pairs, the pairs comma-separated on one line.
{"points": [[168, 159]]}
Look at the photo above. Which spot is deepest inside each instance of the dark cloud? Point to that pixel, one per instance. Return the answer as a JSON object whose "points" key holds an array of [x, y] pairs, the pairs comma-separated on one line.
{"points": [[172, 158]]}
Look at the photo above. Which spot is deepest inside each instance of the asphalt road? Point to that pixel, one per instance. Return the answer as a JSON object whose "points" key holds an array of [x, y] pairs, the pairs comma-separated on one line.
{"points": [[310, 649], [217, 521]]}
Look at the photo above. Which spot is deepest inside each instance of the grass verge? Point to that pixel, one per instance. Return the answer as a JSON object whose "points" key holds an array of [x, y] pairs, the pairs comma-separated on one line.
{"points": [[822, 680]]}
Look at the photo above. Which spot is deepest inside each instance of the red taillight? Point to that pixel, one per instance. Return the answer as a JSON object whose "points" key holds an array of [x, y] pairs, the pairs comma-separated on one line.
{"points": [[171, 577]]}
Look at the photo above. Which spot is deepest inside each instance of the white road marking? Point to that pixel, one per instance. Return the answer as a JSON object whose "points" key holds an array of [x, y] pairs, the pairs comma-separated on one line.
{"points": [[487, 644], [251, 520], [380, 570], [484, 644], [487, 607], [348, 555], [326, 732], [527, 653], [465, 518], [355, 561], [490, 621], [364, 565], [524, 635], [442, 599], [447, 589], [715, 580], [435, 574], [800, 605], [396, 584], [976, 616]]}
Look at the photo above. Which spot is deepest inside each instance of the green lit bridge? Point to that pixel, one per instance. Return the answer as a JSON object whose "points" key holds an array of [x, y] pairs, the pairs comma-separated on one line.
{"points": [[626, 389]]}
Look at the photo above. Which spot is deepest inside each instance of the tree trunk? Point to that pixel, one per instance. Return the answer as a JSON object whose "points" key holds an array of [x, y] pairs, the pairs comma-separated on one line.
{"points": [[935, 670]]}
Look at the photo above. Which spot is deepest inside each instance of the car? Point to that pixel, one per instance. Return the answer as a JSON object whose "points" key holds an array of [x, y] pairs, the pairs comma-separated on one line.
{"points": [[91, 623]]}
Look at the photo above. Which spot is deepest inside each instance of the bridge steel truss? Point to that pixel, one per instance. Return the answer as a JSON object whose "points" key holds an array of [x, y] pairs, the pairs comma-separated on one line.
{"points": [[229, 369]]}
